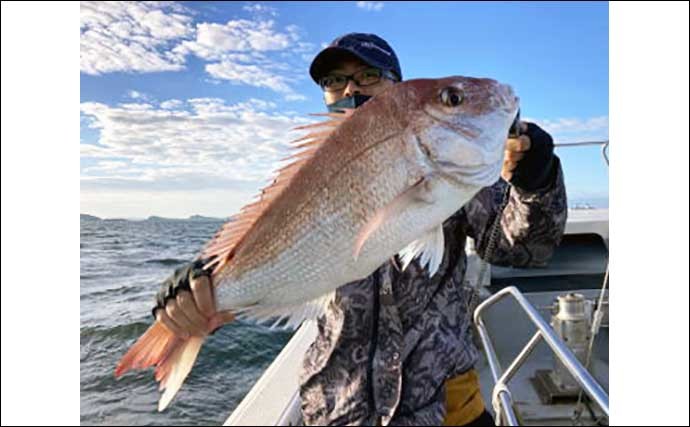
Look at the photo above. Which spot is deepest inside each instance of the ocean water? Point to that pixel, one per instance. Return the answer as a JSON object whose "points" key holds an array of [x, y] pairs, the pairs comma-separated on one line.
{"points": [[122, 264]]}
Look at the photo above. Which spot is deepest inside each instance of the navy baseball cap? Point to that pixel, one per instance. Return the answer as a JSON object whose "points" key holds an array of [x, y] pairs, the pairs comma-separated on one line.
{"points": [[369, 48]]}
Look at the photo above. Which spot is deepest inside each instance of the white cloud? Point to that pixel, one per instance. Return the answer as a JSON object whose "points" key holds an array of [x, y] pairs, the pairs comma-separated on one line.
{"points": [[92, 151], [251, 75], [134, 106], [239, 50], [241, 47], [131, 36], [294, 32], [572, 129], [295, 97], [171, 104], [106, 165], [159, 36], [578, 125], [211, 144], [370, 5], [259, 8], [139, 96], [213, 41]]}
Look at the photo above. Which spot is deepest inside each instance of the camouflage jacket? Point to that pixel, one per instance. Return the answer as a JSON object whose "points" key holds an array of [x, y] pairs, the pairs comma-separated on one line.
{"points": [[387, 344]]}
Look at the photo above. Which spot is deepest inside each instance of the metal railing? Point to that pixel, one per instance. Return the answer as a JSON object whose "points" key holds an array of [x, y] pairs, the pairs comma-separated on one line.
{"points": [[502, 400], [604, 147]]}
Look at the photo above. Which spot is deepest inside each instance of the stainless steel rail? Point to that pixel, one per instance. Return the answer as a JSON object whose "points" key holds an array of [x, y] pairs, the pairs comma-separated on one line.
{"points": [[502, 398]]}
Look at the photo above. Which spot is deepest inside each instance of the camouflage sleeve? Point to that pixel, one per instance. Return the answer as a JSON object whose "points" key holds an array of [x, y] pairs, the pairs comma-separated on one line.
{"points": [[531, 224]]}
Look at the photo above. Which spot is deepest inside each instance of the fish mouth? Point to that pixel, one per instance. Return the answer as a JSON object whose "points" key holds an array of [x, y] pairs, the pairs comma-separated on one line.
{"points": [[506, 99]]}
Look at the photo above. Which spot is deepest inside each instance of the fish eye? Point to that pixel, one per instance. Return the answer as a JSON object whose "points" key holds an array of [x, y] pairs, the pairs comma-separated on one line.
{"points": [[452, 96]]}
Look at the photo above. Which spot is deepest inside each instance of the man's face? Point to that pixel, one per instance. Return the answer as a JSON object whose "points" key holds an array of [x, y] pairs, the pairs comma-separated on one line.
{"points": [[348, 67]]}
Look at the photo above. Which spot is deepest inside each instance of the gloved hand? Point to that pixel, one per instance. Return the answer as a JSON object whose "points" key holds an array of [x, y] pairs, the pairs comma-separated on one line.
{"points": [[185, 303], [529, 162]]}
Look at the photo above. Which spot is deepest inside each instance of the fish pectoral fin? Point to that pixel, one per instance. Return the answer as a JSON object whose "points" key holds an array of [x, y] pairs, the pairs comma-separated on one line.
{"points": [[419, 192], [430, 247]]}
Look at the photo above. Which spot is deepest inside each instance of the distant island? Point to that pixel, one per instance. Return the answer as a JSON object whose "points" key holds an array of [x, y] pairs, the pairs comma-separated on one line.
{"points": [[154, 218], [191, 218], [159, 218], [204, 218]]}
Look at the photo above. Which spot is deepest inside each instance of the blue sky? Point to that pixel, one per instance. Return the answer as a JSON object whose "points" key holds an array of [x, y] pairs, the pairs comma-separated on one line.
{"points": [[186, 107]]}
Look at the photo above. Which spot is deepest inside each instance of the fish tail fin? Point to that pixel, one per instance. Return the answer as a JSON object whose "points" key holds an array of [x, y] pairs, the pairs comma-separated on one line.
{"points": [[174, 369], [173, 358]]}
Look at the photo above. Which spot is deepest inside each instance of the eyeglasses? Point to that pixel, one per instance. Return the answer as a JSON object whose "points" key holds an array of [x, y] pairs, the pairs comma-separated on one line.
{"points": [[366, 77]]}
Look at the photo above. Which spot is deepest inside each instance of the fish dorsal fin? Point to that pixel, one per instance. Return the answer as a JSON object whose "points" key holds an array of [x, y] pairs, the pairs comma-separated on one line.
{"points": [[221, 248]]}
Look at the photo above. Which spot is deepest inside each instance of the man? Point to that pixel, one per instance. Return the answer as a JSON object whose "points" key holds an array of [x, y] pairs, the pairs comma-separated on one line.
{"points": [[396, 348]]}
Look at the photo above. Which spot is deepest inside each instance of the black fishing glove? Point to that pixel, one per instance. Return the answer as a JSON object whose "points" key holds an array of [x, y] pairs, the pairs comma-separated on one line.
{"points": [[179, 281], [537, 168]]}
